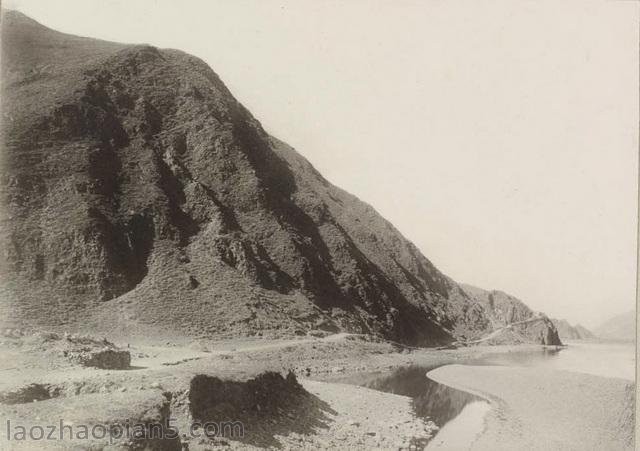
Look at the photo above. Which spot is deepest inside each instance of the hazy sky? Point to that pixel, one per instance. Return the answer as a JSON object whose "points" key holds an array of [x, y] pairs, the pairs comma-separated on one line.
{"points": [[499, 136]]}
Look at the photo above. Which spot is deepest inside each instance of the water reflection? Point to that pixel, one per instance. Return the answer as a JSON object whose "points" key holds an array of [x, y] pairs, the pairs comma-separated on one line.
{"points": [[529, 357], [431, 400], [458, 415], [600, 359]]}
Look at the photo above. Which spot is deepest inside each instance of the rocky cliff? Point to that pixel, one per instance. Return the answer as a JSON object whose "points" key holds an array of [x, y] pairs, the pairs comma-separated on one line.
{"points": [[511, 320], [141, 198]]}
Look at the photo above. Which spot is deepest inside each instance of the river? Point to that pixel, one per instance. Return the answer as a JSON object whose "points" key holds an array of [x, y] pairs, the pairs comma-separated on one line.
{"points": [[598, 358], [460, 415]]}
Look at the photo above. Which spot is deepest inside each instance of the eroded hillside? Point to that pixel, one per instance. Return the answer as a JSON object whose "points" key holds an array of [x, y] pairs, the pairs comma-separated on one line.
{"points": [[141, 198]]}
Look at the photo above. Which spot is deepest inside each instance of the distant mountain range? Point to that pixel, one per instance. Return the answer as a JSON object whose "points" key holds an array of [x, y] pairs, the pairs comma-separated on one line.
{"points": [[620, 328], [568, 332]]}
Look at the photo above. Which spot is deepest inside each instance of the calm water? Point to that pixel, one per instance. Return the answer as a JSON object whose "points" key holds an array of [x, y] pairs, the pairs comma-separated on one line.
{"points": [[460, 415], [600, 359]]}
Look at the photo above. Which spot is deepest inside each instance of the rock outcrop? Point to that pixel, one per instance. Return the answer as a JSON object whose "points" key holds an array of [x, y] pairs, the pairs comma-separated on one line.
{"points": [[75, 349], [140, 197], [512, 321], [105, 358]]}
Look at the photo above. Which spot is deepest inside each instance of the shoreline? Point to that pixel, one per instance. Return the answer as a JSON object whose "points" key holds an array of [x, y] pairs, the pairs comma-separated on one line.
{"points": [[321, 365], [543, 409]]}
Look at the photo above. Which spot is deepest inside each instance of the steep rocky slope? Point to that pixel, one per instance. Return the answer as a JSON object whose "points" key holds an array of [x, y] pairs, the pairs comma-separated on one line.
{"points": [[512, 319], [141, 198], [568, 332]]}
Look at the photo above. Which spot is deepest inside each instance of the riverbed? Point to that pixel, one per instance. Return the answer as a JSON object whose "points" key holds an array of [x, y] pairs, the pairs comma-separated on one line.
{"points": [[461, 415]]}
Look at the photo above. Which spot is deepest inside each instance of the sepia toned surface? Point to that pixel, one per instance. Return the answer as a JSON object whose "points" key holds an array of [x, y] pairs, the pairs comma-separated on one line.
{"points": [[169, 265]]}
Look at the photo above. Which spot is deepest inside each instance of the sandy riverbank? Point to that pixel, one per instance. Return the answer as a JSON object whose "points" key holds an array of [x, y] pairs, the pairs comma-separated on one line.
{"points": [[360, 419], [331, 415], [542, 409]]}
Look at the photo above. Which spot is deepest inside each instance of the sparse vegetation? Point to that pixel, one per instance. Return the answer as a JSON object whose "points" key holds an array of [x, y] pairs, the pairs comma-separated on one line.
{"points": [[143, 199]]}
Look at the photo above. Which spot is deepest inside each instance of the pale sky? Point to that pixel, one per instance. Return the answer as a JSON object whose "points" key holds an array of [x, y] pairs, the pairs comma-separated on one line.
{"points": [[501, 137]]}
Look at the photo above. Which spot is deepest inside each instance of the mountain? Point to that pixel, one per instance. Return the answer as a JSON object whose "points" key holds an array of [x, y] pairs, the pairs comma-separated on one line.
{"points": [[142, 199], [568, 332], [619, 328], [583, 332], [511, 320]]}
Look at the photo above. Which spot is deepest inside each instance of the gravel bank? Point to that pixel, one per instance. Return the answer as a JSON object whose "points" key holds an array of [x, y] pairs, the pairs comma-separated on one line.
{"points": [[541, 409]]}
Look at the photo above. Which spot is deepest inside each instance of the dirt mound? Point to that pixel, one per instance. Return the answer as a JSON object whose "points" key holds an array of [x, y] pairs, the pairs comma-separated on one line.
{"points": [[71, 348], [122, 421], [28, 393], [267, 394], [267, 406], [105, 358]]}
